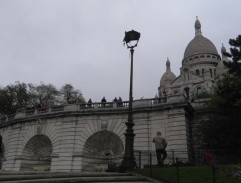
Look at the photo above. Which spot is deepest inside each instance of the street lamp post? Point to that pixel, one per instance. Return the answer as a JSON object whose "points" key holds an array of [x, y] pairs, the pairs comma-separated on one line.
{"points": [[128, 163]]}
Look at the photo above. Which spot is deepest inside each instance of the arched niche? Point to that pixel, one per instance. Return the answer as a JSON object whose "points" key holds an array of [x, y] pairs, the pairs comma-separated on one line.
{"points": [[1, 152], [37, 154], [100, 149]]}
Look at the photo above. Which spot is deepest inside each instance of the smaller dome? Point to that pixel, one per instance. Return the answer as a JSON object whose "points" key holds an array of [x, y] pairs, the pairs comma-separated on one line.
{"points": [[221, 68], [223, 49], [168, 76]]}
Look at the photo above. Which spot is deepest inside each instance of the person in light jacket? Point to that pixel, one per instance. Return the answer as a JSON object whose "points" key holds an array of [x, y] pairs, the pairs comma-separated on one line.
{"points": [[160, 144]]}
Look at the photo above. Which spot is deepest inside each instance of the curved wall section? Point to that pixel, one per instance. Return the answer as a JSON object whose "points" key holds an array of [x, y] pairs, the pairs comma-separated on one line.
{"points": [[1, 152], [79, 138]]}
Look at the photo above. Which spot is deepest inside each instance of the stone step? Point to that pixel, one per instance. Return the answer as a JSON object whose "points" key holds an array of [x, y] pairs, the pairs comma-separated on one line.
{"points": [[70, 177], [33, 175], [81, 179]]}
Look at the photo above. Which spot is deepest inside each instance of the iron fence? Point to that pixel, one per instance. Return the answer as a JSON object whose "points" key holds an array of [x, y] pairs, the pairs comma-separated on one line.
{"points": [[199, 167]]}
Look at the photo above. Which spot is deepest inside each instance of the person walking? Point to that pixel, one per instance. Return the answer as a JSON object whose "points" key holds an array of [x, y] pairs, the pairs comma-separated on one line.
{"points": [[160, 144]]}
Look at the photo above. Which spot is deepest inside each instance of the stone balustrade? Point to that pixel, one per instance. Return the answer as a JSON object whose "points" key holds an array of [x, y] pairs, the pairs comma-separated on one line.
{"points": [[91, 106]]}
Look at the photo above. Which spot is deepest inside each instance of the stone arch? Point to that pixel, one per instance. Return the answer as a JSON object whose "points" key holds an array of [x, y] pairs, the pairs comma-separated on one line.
{"points": [[37, 154], [1, 152], [186, 92], [117, 126], [202, 72], [197, 72], [198, 90], [100, 149], [211, 72], [164, 93], [38, 128], [5, 145]]}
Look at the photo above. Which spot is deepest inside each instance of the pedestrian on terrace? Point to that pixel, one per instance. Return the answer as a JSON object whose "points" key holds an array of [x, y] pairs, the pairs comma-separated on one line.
{"points": [[160, 144]]}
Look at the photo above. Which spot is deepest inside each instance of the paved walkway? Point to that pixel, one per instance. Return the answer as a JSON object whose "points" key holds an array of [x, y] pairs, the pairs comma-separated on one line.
{"points": [[93, 177]]}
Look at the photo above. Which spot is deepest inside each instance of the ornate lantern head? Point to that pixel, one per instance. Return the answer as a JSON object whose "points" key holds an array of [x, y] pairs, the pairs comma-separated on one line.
{"points": [[131, 38]]}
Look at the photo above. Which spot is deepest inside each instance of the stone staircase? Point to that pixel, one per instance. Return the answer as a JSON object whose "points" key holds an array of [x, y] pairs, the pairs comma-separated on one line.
{"points": [[47, 177]]}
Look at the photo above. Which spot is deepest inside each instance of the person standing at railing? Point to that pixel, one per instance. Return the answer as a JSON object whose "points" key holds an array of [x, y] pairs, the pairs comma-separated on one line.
{"points": [[119, 102], [160, 144], [115, 99], [90, 103], [103, 101]]}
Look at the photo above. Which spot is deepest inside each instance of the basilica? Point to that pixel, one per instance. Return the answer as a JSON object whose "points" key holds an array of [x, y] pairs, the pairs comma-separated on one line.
{"points": [[201, 67]]}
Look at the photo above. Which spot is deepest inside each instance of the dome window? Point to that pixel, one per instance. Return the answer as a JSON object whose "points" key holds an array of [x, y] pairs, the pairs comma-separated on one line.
{"points": [[164, 93], [211, 73], [197, 72], [186, 92], [202, 56], [208, 56], [198, 91]]}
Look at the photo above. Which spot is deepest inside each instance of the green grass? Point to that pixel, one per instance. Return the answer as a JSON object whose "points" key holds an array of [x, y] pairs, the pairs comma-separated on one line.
{"points": [[189, 174]]}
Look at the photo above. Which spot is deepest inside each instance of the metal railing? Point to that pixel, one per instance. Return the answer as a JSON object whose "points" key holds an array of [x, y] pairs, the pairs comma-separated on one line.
{"points": [[185, 167]]}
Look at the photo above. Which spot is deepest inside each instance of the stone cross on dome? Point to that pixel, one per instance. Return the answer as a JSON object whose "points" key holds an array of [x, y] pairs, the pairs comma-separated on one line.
{"points": [[168, 65], [197, 27]]}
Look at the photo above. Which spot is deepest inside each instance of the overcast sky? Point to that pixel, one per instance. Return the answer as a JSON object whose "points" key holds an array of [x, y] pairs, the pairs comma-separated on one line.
{"points": [[80, 41]]}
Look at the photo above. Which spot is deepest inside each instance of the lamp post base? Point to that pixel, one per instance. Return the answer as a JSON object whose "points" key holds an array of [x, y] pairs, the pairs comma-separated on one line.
{"points": [[127, 164]]}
